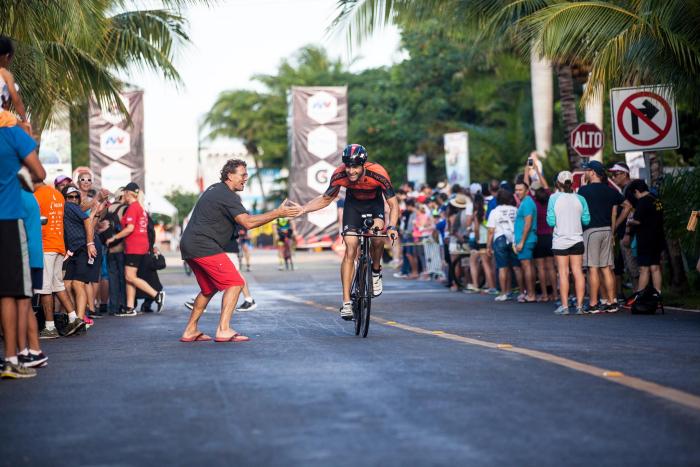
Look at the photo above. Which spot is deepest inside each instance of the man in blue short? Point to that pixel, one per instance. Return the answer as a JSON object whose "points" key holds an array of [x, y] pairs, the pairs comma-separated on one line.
{"points": [[526, 238], [16, 148]]}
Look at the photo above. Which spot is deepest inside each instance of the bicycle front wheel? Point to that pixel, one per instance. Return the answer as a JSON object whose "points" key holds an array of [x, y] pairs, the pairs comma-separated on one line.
{"points": [[356, 296], [366, 302]]}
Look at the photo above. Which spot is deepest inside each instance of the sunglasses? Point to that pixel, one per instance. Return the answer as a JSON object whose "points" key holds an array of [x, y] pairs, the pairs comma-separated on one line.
{"points": [[85, 179], [73, 197]]}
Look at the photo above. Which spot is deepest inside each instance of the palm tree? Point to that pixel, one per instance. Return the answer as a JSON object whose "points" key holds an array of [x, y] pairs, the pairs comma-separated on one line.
{"points": [[70, 51]]}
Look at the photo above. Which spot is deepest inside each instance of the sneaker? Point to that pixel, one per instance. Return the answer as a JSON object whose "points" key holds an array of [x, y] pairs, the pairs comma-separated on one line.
{"points": [[399, 275], [377, 286], [346, 311], [75, 326], [127, 312], [561, 310], [94, 315], [595, 309], [579, 311], [46, 334], [492, 291], [89, 322], [33, 361], [160, 301], [503, 298], [612, 308], [471, 289], [247, 306], [12, 371], [189, 304]]}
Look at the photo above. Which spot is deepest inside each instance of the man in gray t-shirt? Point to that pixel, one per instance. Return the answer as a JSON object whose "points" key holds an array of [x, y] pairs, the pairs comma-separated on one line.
{"points": [[217, 214]]}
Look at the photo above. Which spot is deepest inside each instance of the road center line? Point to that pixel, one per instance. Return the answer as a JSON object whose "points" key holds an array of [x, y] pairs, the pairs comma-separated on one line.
{"points": [[664, 392]]}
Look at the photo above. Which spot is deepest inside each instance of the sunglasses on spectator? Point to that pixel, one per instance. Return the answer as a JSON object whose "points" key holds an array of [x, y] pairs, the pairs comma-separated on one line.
{"points": [[73, 197], [85, 179]]}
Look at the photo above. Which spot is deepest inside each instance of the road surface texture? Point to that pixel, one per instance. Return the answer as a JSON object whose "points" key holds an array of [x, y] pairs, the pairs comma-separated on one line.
{"points": [[442, 379]]}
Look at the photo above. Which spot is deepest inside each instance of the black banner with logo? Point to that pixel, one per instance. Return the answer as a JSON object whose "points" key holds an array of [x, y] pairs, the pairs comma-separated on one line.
{"points": [[116, 146], [318, 132]]}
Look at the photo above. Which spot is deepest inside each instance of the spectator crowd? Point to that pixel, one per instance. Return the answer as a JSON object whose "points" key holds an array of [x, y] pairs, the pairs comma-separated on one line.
{"points": [[597, 234]]}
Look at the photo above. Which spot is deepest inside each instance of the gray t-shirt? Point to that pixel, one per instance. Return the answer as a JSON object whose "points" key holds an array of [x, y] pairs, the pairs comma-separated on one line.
{"points": [[212, 223]]}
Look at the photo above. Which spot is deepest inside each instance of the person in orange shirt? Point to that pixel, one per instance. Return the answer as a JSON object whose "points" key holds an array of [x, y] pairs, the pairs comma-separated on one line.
{"points": [[51, 206]]}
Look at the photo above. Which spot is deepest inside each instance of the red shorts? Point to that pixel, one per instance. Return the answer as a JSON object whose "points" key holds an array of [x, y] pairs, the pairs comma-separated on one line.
{"points": [[215, 273]]}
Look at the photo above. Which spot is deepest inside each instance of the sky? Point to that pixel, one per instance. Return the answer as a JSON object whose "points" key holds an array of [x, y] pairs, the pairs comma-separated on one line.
{"points": [[232, 41]]}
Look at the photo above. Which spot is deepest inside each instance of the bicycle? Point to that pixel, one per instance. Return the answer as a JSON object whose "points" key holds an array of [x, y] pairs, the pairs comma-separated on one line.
{"points": [[362, 288]]}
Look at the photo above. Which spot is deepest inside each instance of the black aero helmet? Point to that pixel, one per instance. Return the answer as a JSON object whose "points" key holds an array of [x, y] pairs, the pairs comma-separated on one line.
{"points": [[354, 154]]}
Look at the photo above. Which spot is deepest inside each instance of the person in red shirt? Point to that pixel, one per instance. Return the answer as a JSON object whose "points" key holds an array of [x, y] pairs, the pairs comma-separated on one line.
{"points": [[367, 184], [135, 234]]}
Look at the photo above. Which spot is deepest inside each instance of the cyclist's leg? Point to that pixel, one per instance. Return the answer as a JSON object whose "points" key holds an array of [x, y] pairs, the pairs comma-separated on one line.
{"points": [[377, 247], [347, 268]]}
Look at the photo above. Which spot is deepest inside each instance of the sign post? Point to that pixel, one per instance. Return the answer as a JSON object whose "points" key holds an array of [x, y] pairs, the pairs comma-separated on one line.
{"points": [[587, 139], [644, 119]]}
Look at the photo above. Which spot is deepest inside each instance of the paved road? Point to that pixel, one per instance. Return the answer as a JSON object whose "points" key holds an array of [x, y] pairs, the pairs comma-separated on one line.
{"points": [[430, 389]]}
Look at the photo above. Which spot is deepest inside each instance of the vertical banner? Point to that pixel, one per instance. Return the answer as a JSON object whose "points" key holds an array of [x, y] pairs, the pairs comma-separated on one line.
{"points": [[318, 132], [416, 169], [116, 146], [457, 158]]}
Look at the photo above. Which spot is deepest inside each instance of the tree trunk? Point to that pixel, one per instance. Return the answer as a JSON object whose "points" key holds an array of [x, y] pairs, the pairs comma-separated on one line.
{"points": [[542, 101], [594, 114], [567, 98]]}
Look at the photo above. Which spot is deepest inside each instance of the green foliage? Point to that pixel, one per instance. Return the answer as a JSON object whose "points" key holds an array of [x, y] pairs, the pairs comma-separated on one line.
{"points": [[183, 201], [69, 51], [680, 193]]}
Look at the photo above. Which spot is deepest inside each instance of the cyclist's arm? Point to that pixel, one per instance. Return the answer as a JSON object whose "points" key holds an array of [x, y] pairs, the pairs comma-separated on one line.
{"points": [[317, 203], [394, 211], [283, 210]]}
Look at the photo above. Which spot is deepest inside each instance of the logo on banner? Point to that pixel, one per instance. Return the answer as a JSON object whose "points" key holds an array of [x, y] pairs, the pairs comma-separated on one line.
{"points": [[115, 143], [644, 119], [322, 107], [322, 142], [319, 175], [111, 113], [115, 175]]}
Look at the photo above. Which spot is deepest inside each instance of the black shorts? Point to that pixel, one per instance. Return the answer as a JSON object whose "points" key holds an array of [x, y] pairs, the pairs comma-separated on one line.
{"points": [[15, 275], [37, 278], [77, 267], [619, 262], [576, 249], [354, 210], [649, 257], [133, 261], [543, 247]]}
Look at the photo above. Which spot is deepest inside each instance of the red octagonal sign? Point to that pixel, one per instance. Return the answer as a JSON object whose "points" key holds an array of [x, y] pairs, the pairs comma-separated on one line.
{"points": [[587, 139]]}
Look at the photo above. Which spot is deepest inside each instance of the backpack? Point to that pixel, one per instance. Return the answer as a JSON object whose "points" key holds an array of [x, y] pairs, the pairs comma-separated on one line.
{"points": [[115, 225], [647, 302]]}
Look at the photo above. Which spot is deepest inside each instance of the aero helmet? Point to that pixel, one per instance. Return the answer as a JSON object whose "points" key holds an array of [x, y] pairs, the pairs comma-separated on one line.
{"points": [[354, 154]]}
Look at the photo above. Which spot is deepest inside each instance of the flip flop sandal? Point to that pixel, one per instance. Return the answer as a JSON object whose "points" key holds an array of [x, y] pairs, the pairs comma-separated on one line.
{"points": [[198, 338], [235, 338]]}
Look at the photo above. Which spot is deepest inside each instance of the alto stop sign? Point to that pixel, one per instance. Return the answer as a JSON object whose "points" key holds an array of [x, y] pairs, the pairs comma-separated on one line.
{"points": [[587, 139]]}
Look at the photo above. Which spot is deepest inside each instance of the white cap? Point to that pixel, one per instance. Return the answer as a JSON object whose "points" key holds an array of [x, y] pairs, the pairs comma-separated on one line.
{"points": [[565, 175], [475, 188]]}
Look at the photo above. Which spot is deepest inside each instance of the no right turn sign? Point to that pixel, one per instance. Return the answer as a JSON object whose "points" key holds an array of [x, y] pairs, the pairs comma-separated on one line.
{"points": [[643, 119]]}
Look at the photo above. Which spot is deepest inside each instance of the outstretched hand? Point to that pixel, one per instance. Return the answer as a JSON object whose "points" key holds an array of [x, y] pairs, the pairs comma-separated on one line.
{"points": [[289, 209]]}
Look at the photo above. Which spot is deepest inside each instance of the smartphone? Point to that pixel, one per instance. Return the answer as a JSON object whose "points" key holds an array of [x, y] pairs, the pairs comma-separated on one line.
{"points": [[530, 162], [44, 220]]}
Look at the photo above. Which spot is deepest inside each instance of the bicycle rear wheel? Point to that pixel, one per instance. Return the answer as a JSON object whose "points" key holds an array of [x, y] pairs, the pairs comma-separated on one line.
{"points": [[366, 302]]}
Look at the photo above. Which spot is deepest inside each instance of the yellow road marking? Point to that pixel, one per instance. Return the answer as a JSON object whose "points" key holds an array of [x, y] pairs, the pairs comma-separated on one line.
{"points": [[675, 395]]}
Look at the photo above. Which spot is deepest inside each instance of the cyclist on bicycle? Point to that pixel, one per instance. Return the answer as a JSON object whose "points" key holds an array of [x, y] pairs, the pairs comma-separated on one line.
{"points": [[284, 233], [367, 184]]}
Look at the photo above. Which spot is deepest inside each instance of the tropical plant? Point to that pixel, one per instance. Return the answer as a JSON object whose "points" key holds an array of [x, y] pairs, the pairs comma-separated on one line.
{"points": [[70, 51]]}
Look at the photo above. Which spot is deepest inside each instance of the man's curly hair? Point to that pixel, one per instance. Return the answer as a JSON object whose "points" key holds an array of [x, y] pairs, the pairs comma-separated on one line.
{"points": [[230, 167]]}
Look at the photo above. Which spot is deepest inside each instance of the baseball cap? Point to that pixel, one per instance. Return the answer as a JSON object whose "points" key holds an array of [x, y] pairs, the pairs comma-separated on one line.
{"points": [[565, 176], [71, 189], [61, 179], [595, 166], [421, 198], [619, 167], [475, 188], [131, 186]]}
